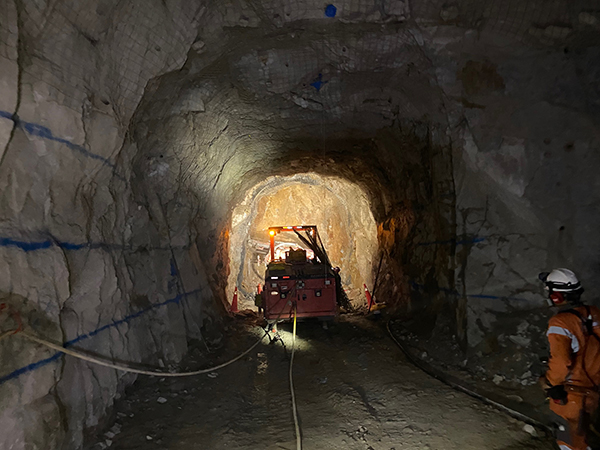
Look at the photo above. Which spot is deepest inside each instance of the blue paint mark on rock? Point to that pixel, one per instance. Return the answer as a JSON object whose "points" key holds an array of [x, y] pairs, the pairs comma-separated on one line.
{"points": [[35, 129], [25, 246], [30, 246], [330, 10], [72, 246], [82, 337], [318, 83]]}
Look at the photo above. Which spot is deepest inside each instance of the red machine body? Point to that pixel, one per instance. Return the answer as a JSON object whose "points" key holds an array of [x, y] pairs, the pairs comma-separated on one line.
{"points": [[309, 284]]}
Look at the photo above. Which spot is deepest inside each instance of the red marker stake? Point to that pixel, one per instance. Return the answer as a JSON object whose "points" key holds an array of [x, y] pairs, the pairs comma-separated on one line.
{"points": [[369, 298], [234, 305]]}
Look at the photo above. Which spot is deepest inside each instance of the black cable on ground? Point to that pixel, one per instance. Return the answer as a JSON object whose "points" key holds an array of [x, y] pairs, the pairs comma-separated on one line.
{"points": [[454, 385]]}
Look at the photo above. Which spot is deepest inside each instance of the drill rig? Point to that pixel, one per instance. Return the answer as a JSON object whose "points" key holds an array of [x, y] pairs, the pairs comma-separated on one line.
{"points": [[312, 285]]}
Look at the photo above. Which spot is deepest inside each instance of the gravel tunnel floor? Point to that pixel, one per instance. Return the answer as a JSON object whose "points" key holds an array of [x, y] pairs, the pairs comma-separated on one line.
{"points": [[354, 389]]}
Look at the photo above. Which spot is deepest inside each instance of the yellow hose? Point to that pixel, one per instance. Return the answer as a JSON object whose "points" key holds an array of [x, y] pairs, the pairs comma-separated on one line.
{"points": [[294, 408]]}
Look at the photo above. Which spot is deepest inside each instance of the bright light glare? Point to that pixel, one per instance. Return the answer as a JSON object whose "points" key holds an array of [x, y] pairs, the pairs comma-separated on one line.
{"points": [[341, 210], [301, 344]]}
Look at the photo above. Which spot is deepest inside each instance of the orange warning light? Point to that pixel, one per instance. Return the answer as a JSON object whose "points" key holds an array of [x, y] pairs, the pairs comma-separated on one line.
{"points": [[272, 232]]}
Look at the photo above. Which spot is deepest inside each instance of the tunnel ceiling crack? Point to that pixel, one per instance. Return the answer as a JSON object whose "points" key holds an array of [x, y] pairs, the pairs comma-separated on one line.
{"points": [[19, 81], [219, 134], [229, 158]]}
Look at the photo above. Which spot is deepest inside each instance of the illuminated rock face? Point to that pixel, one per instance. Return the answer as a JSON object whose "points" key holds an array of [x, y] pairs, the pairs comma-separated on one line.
{"points": [[129, 133], [339, 209]]}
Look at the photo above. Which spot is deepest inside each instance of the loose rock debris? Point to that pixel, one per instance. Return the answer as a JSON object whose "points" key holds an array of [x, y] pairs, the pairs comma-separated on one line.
{"points": [[372, 399]]}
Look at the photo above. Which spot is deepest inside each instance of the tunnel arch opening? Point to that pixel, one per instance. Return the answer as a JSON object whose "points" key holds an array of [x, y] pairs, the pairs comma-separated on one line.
{"points": [[339, 208]]}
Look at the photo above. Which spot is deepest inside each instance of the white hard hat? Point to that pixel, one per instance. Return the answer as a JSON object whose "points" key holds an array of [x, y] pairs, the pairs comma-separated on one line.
{"points": [[561, 280]]}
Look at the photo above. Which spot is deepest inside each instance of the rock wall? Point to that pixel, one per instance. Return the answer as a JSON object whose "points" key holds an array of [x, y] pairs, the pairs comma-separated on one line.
{"points": [[129, 131], [339, 209], [524, 170], [87, 257], [450, 98]]}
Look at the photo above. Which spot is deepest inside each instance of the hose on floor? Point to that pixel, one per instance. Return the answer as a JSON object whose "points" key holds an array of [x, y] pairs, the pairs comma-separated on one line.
{"points": [[7, 333], [294, 408], [124, 368], [511, 412]]}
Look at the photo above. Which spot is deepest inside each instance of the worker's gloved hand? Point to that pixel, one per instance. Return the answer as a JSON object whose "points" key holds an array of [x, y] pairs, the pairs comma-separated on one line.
{"points": [[543, 381], [557, 394]]}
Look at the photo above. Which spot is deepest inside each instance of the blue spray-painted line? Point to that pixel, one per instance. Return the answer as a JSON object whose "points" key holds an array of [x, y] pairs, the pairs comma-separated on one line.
{"points": [[30, 246], [35, 129], [29, 368], [36, 365], [330, 10], [25, 246], [470, 241], [173, 268], [416, 286], [318, 83], [473, 240]]}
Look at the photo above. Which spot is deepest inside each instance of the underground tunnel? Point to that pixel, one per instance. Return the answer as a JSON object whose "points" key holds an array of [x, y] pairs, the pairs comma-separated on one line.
{"points": [[447, 152], [340, 210]]}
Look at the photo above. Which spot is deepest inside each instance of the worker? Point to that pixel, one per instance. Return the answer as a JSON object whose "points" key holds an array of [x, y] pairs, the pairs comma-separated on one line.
{"points": [[573, 376]]}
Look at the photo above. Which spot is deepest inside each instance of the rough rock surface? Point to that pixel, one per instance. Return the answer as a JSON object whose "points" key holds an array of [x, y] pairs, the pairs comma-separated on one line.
{"points": [[354, 391], [338, 208], [81, 250], [130, 130]]}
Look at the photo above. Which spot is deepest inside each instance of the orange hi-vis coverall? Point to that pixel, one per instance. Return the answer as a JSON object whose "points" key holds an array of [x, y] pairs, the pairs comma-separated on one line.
{"points": [[575, 363]]}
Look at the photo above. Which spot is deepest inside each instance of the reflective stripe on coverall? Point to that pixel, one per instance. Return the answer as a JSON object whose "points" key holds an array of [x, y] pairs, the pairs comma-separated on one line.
{"points": [[575, 363]]}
